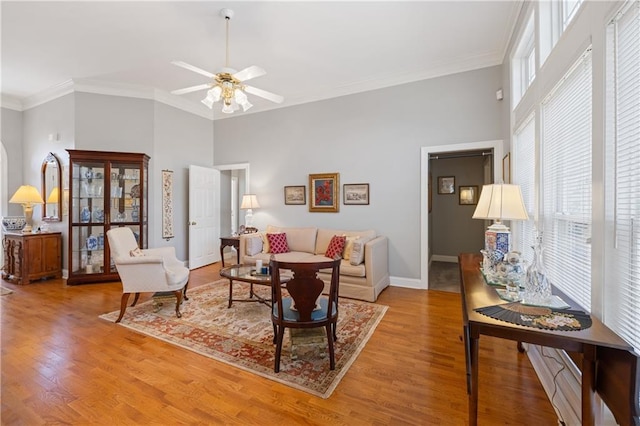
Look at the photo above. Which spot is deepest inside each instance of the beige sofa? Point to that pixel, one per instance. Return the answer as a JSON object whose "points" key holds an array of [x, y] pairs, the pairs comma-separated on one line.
{"points": [[364, 281]]}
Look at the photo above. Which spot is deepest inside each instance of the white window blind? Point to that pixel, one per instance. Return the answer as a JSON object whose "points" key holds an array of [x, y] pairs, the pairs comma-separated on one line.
{"points": [[566, 182], [524, 163], [622, 264]]}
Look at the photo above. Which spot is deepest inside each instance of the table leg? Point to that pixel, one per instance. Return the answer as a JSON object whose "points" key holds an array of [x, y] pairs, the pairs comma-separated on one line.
{"points": [[230, 293], [588, 384], [473, 395], [467, 358], [222, 255]]}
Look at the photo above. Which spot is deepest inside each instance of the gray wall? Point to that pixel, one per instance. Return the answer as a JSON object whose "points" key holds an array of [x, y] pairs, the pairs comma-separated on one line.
{"points": [[174, 139], [453, 230], [11, 134], [373, 137]]}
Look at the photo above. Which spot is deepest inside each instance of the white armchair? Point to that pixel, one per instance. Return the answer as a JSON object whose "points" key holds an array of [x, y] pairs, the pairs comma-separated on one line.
{"points": [[149, 270]]}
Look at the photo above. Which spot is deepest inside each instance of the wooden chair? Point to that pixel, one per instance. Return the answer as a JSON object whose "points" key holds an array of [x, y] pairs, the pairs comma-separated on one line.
{"points": [[304, 308], [150, 270]]}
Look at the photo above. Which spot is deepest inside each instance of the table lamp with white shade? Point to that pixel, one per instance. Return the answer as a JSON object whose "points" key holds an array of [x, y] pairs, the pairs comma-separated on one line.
{"points": [[249, 202], [500, 202], [27, 195]]}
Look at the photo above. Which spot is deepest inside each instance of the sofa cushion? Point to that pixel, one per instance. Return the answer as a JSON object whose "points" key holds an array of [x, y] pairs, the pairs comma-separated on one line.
{"points": [[325, 235], [253, 245], [336, 246], [299, 239], [266, 248], [348, 247], [278, 243], [350, 270], [357, 254]]}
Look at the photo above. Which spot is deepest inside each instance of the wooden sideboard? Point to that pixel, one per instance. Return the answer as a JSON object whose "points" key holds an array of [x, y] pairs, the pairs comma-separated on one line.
{"points": [[30, 257]]}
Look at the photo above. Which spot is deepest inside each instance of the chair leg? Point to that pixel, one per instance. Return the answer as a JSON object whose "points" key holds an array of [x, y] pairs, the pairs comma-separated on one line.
{"points": [[123, 305], [275, 333], [178, 294], [332, 360], [280, 335], [334, 326], [135, 299], [184, 291]]}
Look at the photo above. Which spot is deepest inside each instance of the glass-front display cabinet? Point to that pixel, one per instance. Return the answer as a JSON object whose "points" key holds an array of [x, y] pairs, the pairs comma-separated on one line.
{"points": [[106, 190]]}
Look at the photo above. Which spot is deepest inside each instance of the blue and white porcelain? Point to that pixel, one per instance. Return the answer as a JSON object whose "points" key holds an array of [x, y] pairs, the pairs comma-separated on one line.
{"points": [[92, 242], [13, 223], [85, 215], [98, 215]]}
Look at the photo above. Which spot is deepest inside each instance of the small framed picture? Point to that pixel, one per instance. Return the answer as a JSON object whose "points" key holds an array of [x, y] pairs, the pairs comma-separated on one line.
{"points": [[446, 184], [295, 195], [356, 194], [324, 192], [469, 195]]}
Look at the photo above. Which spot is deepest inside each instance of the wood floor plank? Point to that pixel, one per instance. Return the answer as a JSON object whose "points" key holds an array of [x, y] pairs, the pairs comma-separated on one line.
{"points": [[62, 364]]}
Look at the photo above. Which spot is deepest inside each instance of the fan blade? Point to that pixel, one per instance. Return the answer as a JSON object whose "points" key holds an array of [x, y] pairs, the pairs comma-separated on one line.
{"points": [[191, 89], [250, 72], [264, 94], [192, 68]]}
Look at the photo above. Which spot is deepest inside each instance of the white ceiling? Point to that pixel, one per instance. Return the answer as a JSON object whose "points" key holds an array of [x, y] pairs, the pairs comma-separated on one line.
{"points": [[310, 50]]}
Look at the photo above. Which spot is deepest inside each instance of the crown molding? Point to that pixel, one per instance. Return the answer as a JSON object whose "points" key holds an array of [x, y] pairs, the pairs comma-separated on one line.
{"points": [[10, 102], [100, 87], [453, 66]]}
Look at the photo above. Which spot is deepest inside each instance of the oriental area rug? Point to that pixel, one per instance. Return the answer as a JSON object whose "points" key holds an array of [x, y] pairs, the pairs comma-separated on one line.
{"points": [[242, 336]]}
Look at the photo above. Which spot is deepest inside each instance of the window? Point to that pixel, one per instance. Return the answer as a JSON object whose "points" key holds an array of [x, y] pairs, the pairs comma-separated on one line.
{"points": [[567, 183], [622, 175], [555, 17], [524, 62], [524, 162], [568, 9]]}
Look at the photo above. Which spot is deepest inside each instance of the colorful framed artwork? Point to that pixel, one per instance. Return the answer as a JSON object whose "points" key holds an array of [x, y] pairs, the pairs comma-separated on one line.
{"points": [[324, 192], [356, 194], [468, 195], [295, 195], [446, 184]]}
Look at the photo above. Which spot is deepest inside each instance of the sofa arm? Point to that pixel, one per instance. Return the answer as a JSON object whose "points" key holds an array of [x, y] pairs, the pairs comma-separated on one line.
{"points": [[376, 260]]}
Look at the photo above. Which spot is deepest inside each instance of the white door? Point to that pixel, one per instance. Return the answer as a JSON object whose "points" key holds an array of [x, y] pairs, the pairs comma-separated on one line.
{"points": [[204, 216]]}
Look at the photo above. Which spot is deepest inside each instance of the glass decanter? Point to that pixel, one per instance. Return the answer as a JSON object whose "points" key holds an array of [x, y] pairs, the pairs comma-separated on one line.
{"points": [[537, 288]]}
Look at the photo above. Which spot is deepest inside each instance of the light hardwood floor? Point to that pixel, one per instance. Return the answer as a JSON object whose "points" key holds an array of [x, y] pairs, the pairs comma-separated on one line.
{"points": [[61, 364]]}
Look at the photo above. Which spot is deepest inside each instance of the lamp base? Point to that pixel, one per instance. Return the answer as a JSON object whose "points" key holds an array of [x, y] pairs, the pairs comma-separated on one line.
{"points": [[497, 237], [248, 218]]}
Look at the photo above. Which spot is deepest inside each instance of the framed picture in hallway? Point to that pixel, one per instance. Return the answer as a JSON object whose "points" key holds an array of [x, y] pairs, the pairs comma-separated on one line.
{"points": [[446, 184], [324, 192], [468, 195]]}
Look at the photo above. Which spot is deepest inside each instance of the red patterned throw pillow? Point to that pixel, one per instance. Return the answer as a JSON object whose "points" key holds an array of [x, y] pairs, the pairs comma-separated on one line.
{"points": [[278, 243], [336, 245]]}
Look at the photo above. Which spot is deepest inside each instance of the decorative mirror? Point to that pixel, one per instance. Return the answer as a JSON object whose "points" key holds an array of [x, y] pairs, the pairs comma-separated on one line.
{"points": [[51, 190]]}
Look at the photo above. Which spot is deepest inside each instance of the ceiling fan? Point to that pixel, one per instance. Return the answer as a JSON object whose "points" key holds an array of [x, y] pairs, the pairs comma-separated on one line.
{"points": [[228, 84]]}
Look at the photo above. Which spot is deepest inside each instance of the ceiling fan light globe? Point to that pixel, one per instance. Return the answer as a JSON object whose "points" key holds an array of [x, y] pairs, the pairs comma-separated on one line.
{"points": [[227, 109], [240, 97], [208, 102], [215, 93], [246, 105]]}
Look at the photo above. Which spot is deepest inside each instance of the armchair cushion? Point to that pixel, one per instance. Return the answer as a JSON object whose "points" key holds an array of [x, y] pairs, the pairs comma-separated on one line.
{"points": [[136, 252]]}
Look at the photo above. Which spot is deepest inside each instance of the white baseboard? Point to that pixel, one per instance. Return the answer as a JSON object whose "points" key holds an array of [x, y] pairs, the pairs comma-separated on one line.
{"points": [[443, 258], [407, 283]]}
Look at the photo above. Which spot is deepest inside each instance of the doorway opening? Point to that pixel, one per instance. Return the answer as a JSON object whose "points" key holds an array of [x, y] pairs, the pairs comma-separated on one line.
{"points": [[454, 211]]}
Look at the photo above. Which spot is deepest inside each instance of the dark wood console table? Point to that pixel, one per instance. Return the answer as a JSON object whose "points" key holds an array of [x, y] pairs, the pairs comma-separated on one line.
{"points": [[609, 366], [229, 242]]}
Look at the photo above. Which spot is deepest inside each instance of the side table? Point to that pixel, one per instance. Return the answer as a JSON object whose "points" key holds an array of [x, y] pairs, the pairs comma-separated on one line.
{"points": [[229, 242]]}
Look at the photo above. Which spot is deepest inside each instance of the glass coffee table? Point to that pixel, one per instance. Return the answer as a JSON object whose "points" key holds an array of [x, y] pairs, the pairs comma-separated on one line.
{"points": [[247, 274]]}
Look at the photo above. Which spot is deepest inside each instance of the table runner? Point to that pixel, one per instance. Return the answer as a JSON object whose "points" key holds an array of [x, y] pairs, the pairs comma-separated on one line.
{"points": [[538, 317]]}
